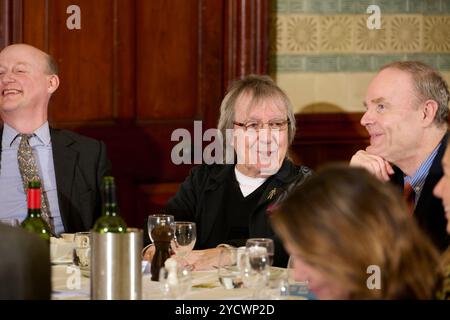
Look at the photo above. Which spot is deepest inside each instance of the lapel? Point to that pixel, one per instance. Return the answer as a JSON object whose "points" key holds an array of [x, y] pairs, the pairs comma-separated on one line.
{"points": [[431, 180], [64, 159], [277, 182], [433, 177]]}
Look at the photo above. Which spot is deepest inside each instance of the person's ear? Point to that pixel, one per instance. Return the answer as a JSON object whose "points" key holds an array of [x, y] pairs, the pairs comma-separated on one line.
{"points": [[53, 83], [429, 111]]}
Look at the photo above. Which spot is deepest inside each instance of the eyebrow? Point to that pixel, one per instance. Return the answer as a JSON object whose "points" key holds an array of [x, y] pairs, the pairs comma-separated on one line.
{"points": [[376, 100]]}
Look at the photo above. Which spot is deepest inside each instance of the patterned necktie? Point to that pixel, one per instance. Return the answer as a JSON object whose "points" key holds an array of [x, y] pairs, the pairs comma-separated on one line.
{"points": [[28, 171], [410, 196]]}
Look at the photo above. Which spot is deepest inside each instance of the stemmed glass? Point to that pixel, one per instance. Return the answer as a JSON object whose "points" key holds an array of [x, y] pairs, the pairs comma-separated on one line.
{"points": [[185, 235], [255, 264], [155, 220]]}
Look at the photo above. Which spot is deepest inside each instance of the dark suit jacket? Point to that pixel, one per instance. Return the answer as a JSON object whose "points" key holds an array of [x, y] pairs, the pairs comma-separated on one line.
{"points": [[24, 265], [80, 164], [429, 210], [201, 198]]}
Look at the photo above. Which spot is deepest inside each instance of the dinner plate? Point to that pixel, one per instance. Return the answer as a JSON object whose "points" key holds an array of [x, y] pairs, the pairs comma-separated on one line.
{"points": [[62, 261]]}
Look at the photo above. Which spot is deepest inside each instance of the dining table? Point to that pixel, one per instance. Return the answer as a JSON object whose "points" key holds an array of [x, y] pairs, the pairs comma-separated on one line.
{"points": [[70, 283]]}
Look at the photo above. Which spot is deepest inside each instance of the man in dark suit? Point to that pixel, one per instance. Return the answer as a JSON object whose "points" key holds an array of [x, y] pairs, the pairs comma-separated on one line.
{"points": [[406, 118], [70, 166], [24, 265]]}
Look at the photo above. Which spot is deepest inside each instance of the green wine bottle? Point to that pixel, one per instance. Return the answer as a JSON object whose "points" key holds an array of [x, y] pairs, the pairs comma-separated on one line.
{"points": [[34, 222], [110, 221]]}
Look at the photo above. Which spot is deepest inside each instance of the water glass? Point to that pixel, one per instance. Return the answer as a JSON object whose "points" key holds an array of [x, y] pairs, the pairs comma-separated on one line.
{"points": [[262, 243], [175, 286], [82, 250], [228, 268]]}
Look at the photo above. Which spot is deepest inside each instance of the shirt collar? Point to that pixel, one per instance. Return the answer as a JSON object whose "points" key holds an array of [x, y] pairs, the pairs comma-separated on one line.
{"points": [[10, 134], [43, 134], [418, 179]]}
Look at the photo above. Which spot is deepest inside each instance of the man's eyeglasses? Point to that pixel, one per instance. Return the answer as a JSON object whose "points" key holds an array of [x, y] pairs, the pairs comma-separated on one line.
{"points": [[255, 125]]}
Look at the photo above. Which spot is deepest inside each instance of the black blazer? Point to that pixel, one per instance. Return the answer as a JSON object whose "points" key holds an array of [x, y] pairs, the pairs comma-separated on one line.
{"points": [[202, 195], [24, 265], [429, 211], [80, 164]]}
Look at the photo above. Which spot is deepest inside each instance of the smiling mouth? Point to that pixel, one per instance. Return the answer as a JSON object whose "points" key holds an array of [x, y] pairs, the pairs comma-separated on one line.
{"points": [[10, 92]]}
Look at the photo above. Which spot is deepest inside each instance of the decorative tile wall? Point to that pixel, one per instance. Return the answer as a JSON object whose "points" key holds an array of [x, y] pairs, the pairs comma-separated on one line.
{"points": [[332, 35], [324, 55]]}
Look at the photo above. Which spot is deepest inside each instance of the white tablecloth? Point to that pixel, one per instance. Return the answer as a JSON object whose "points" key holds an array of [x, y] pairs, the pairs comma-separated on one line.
{"points": [[69, 283]]}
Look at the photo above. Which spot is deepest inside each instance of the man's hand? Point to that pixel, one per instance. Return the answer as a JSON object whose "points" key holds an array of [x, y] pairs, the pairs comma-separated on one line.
{"points": [[374, 164], [206, 259]]}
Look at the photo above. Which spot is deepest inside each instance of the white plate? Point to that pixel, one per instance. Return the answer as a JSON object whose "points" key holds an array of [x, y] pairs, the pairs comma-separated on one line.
{"points": [[62, 261]]}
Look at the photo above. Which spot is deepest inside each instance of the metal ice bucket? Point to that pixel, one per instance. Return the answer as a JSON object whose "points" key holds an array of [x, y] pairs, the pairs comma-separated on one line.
{"points": [[116, 272]]}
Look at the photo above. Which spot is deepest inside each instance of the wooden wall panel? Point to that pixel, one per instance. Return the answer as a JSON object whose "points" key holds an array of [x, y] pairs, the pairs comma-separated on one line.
{"points": [[11, 19], [168, 54], [323, 138], [86, 60]]}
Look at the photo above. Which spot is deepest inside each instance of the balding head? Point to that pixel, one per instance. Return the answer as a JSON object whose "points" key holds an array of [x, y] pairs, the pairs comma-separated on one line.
{"points": [[27, 81], [46, 62]]}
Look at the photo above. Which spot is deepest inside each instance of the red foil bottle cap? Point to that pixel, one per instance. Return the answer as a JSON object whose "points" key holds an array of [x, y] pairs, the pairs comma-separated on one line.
{"points": [[34, 198]]}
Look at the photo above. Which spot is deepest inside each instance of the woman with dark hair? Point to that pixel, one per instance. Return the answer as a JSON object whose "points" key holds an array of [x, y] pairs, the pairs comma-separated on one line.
{"points": [[350, 236]]}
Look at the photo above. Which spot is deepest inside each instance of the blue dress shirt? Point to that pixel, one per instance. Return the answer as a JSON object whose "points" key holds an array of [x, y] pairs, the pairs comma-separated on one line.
{"points": [[13, 201], [417, 181]]}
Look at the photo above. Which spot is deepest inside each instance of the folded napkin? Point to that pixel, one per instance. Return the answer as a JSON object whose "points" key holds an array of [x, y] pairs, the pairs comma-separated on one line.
{"points": [[61, 250]]}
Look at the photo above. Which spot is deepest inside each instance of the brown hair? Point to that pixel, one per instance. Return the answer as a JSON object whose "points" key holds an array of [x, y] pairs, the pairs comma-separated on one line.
{"points": [[428, 84], [343, 220]]}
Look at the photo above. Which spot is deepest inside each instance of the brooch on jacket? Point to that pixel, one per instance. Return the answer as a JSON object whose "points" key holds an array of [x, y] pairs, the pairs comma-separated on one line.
{"points": [[272, 193]]}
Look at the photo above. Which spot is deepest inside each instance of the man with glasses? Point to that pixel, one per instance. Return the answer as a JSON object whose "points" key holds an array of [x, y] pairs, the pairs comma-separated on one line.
{"points": [[229, 201]]}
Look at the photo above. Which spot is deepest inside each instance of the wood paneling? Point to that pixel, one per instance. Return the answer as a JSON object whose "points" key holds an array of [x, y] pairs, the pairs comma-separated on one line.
{"points": [[168, 53], [246, 38], [86, 58], [322, 138], [11, 14]]}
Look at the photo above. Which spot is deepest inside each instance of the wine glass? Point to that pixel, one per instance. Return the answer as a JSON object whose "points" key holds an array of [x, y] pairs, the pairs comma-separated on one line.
{"points": [[155, 220], [184, 237]]}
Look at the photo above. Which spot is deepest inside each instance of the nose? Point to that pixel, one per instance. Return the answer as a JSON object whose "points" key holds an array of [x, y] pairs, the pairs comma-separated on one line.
{"points": [[437, 191], [367, 118]]}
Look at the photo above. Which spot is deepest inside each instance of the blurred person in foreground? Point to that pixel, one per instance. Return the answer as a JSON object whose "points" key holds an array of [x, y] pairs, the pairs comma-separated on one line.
{"points": [[24, 265], [406, 118], [343, 221], [229, 201], [442, 191]]}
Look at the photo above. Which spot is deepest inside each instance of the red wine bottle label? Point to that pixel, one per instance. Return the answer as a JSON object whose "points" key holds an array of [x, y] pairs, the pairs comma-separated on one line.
{"points": [[34, 198]]}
